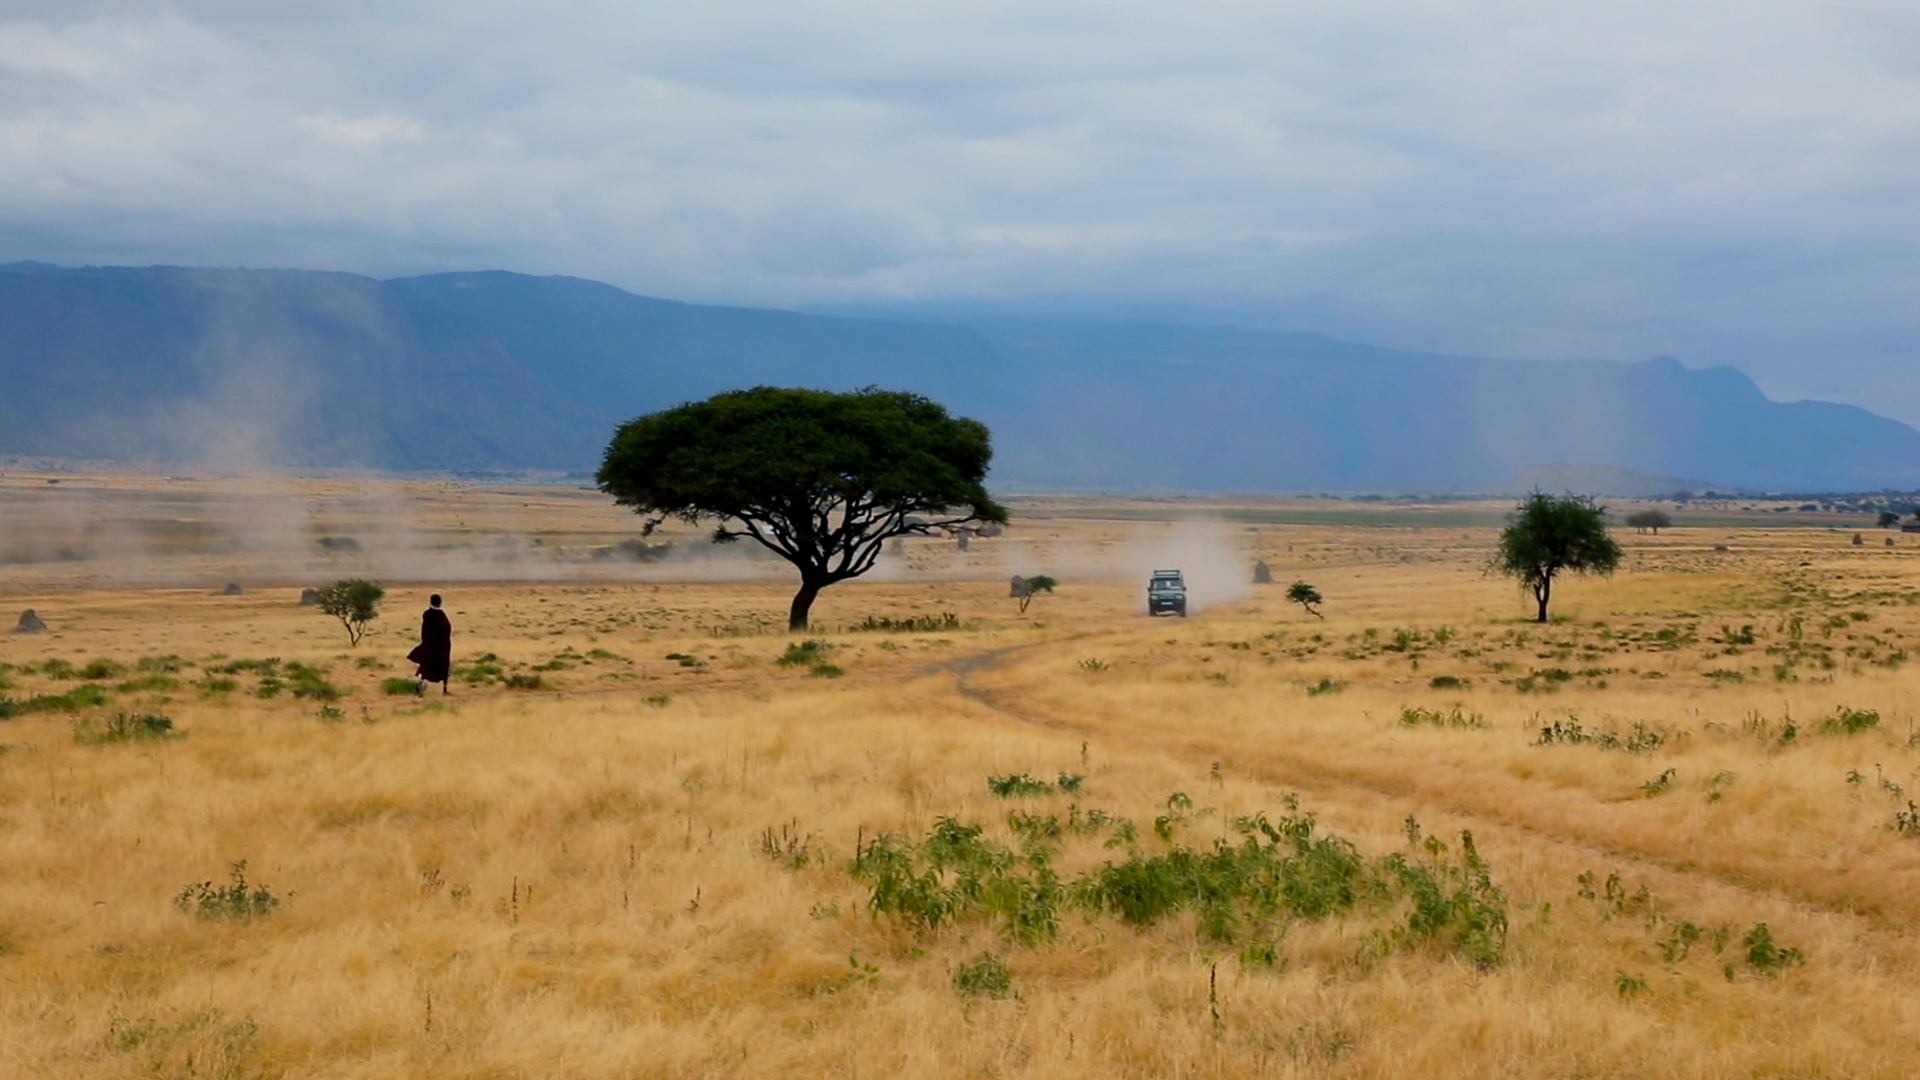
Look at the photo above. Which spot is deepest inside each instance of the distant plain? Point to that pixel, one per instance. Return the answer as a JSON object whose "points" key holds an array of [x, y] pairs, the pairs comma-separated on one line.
{"points": [[622, 846]]}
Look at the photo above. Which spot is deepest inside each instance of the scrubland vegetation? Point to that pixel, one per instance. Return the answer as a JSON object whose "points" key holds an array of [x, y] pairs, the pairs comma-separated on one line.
{"points": [[1673, 832]]}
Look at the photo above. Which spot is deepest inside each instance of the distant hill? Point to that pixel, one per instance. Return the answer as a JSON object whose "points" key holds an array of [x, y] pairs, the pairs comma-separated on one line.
{"points": [[493, 370]]}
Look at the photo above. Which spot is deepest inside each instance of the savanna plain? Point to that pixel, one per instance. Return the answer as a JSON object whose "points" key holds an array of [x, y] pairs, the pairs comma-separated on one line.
{"points": [[650, 833]]}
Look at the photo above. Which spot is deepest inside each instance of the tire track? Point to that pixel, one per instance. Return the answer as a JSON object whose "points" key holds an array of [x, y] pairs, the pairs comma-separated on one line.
{"points": [[1320, 783]]}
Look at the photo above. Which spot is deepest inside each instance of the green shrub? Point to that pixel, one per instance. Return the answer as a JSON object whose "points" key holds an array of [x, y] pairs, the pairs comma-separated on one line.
{"points": [[800, 654], [1447, 682], [267, 666], [1019, 783], [311, 682], [397, 687], [102, 669], [1848, 721], [911, 624], [84, 696], [518, 681], [354, 602], [237, 900], [985, 976], [1415, 716], [123, 727], [1266, 873], [484, 668]]}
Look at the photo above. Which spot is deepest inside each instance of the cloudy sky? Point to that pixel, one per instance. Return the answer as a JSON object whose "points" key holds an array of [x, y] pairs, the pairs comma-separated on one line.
{"points": [[1728, 183]]}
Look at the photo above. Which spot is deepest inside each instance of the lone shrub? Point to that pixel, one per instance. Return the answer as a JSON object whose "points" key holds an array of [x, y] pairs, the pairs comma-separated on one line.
{"points": [[401, 687], [354, 602], [308, 681], [1307, 597], [984, 977], [1035, 585], [123, 727], [237, 900]]}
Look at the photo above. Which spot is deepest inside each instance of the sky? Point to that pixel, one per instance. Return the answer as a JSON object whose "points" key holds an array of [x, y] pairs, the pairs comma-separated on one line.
{"points": [[1726, 183]]}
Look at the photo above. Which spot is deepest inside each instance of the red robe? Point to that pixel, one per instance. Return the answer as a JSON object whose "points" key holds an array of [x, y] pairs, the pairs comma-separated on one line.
{"points": [[434, 655]]}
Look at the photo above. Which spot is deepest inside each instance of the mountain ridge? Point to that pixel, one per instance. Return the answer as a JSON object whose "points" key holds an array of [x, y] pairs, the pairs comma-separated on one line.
{"points": [[493, 370]]}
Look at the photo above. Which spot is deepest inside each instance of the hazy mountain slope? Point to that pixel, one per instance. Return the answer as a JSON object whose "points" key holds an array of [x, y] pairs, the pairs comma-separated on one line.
{"points": [[1186, 407], [240, 367], [498, 370]]}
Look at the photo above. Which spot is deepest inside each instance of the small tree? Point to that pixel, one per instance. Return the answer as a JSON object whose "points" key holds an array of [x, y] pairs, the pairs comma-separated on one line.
{"points": [[1031, 587], [1549, 534], [1306, 596], [821, 479], [354, 602], [1888, 519], [1649, 521]]}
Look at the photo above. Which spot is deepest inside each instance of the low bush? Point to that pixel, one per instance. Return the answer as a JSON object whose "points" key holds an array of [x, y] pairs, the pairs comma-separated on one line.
{"points": [[1415, 716], [84, 696], [238, 900], [123, 727], [310, 682], [985, 976], [1849, 721], [397, 687], [1267, 872], [800, 654], [911, 624]]}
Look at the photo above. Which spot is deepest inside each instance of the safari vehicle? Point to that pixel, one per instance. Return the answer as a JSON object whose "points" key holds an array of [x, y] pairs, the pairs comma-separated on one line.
{"points": [[1167, 592]]}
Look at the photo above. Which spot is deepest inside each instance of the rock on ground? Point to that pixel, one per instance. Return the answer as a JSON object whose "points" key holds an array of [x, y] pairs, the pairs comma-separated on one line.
{"points": [[30, 623]]}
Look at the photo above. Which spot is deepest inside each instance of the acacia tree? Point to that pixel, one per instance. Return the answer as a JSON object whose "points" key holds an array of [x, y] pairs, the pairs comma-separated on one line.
{"points": [[1306, 596], [354, 602], [1649, 521], [821, 479], [1549, 534], [1025, 589]]}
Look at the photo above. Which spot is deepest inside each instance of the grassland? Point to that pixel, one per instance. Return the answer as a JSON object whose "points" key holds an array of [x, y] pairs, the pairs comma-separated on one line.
{"points": [[652, 835]]}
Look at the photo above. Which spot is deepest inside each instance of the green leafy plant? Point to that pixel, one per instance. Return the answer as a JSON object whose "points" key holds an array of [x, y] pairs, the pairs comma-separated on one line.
{"points": [[1020, 783], [354, 602], [1416, 716], [1307, 597], [238, 900], [774, 465], [1033, 587], [82, 697], [1550, 535], [984, 976], [1850, 721], [397, 687], [911, 624], [1659, 784], [123, 727]]}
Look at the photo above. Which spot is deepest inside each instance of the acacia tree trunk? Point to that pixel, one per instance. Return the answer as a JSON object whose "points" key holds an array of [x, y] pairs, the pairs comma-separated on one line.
{"points": [[802, 603], [1540, 593]]}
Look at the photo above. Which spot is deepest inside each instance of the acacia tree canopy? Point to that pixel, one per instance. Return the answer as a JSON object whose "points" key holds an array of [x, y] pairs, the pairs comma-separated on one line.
{"points": [[1548, 534], [820, 479]]}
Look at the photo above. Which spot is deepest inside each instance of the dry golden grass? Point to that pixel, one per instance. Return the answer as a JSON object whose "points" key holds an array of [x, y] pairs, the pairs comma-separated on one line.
{"points": [[572, 880]]}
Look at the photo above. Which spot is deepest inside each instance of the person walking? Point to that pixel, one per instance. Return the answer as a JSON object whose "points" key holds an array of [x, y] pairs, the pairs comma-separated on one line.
{"points": [[433, 657]]}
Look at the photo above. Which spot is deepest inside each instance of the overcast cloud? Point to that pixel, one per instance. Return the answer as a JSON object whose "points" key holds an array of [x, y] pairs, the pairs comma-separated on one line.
{"points": [[1725, 182]]}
